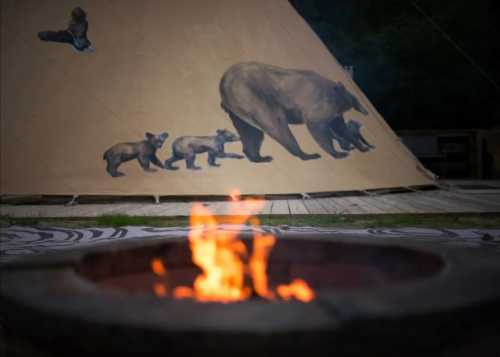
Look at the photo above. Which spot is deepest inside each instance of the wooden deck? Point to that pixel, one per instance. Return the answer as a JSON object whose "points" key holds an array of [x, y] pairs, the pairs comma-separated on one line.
{"points": [[481, 198]]}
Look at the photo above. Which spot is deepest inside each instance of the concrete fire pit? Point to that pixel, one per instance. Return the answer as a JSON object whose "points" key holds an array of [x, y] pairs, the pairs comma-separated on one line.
{"points": [[385, 296]]}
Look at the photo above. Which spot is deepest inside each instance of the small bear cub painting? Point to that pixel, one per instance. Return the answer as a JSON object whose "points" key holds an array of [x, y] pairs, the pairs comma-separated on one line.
{"points": [[144, 151], [187, 147]]}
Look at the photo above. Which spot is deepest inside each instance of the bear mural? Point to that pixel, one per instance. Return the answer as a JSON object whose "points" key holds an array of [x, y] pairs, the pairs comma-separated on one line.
{"points": [[261, 98], [144, 151], [187, 147]]}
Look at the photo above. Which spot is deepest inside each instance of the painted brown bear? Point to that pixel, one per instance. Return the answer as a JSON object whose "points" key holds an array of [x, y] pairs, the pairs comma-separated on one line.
{"points": [[144, 151], [261, 98], [353, 139], [186, 148]]}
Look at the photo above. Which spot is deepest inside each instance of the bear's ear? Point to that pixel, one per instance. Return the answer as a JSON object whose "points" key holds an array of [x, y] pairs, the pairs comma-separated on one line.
{"points": [[339, 90], [339, 86], [149, 136], [219, 131], [164, 135]]}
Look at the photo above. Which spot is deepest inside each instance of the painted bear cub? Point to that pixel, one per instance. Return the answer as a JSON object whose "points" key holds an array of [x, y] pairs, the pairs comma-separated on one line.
{"points": [[144, 151], [187, 147]]}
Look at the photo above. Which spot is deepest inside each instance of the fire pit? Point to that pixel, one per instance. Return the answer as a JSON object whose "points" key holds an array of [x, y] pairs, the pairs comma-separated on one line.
{"points": [[389, 297], [326, 265], [224, 293]]}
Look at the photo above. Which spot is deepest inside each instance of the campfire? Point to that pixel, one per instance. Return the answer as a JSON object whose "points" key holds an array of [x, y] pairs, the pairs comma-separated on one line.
{"points": [[229, 272], [226, 292]]}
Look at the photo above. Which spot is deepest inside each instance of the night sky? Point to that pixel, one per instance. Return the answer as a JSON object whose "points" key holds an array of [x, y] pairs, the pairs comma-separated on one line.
{"points": [[424, 64]]}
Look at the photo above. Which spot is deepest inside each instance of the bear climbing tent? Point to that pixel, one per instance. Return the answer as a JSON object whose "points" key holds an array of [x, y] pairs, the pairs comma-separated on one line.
{"points": [[190, 97]]}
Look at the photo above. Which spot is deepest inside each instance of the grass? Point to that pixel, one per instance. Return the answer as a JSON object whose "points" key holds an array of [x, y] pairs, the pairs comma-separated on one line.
{"points": [[338, 221]]}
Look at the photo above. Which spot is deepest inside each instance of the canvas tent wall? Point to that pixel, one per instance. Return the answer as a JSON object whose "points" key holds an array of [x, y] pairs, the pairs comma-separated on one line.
{"points": [[156, 68]]}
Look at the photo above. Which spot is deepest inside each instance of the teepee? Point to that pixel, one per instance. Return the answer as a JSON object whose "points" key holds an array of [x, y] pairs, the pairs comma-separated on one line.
{"points": [[232, 93]]}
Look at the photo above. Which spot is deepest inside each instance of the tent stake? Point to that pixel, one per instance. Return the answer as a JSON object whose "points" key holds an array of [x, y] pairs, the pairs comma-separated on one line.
{"points": [[73, 201]]}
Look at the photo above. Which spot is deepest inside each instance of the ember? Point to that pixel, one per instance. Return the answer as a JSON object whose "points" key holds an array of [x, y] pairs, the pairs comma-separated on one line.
{"points": [[225, 262]]}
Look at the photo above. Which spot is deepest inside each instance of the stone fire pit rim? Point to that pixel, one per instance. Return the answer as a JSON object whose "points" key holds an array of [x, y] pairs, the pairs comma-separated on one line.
{"points": [[469, 278]]}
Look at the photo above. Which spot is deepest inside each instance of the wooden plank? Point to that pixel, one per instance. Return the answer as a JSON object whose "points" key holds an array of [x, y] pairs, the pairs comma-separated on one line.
{"points": [[159, 210], [59, 211], [219, 208], [266, 210], [314, 207], [93, 210], [141, 210], [388, 206], [351, 206], [484, 205], [331, 206], [324, 202], [367, 204], [418, 204], [341, 206], [173, 209], [20, 211], [447, 204], [84, 210], [355, 205], [402, 204], [280, 207], [297, 207], [130, 209], [493, 200]]}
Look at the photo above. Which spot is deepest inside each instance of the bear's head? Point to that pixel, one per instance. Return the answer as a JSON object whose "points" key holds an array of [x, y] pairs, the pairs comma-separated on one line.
{"points": [[354, 125], [227, 136], [156, 140], [78, 14], [349, 98]]}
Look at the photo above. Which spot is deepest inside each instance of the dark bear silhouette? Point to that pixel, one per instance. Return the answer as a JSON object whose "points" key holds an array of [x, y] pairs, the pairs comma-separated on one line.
{"points": [[186, 148], [144, 151], [351, 138], [75, 34], [261, 98]]}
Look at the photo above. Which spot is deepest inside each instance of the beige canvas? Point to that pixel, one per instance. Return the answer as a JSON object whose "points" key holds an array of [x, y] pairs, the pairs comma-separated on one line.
{"points": [[157, 67]]}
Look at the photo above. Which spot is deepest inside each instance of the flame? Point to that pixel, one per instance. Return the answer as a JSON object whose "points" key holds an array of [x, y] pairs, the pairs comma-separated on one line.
{"points": [[297, 289], [159, 288], [222, 258], [235, 194], [158, 267], [183, 292], [262, 246]]}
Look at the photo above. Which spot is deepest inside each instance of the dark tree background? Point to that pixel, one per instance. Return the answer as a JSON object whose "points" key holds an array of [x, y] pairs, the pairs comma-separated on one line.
{"points": [[411, 73]]}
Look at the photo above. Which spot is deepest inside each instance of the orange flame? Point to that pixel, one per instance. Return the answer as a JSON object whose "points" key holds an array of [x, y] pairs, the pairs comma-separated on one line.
{"points": [[158, 267], [262, 246], [183, 292], [297, 289], [160, 289], [235, 195], [222, 256]]}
